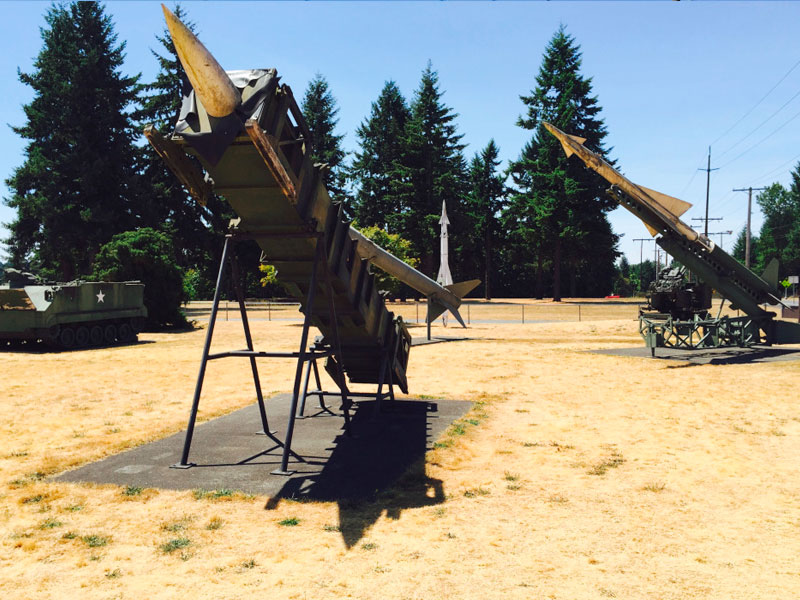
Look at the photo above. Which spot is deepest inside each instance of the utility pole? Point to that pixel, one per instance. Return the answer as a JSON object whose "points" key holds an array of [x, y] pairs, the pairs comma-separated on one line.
{"points": [[749, 212], [706, 219], [708, 170], [641, 259], [720, 234]]}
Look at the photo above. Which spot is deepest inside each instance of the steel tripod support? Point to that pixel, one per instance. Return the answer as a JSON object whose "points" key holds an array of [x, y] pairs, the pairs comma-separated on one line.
{"points": [[320, 260], [224, 260]]}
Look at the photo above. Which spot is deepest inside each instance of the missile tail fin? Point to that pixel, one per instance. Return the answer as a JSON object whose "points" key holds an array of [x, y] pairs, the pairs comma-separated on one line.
{"points": [[674, 205], [770, 274], [653, 231], [462, 288]]}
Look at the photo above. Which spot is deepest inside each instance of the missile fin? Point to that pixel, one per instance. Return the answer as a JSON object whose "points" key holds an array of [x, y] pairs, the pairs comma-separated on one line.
{"points": [[462, 288], [578, 139], [211, 83], [436, 308], [653, 231], [674, 205], [770, 274]]}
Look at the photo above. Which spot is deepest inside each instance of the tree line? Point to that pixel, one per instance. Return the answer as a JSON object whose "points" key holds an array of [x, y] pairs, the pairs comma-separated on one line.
{"points": [[92, 200]]}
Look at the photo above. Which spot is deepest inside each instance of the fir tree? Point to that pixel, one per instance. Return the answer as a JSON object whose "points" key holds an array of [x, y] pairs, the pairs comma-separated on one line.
{"points": [[560, 206], [432, 170], [780, 233], [195, 230], [320, 110], [485, 201], [374, 168], [74, 190]]}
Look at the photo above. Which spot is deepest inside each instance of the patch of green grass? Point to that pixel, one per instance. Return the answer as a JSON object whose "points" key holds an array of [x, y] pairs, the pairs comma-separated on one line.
{"points": [[74, 507], [70, 535], [132, 490], [511, 476], [175, 544], [475, 492], [290, 522], [50, 524], [213, 494], [331, 528], [530, 444], [115, 574], [472, 421], [444, 444], [513, 487], [214, 524], [18, 454], [439, 512], [457, 429], [33, 499], [249, 564], [95, 541], [369, 546]]}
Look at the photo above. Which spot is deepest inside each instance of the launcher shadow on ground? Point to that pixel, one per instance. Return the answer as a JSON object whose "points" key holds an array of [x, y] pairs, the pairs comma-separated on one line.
{"points": [[380, 469]]}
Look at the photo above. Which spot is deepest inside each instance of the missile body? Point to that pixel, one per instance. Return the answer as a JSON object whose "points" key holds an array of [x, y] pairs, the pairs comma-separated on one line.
{"points": [[658, 211], [660, 214]]}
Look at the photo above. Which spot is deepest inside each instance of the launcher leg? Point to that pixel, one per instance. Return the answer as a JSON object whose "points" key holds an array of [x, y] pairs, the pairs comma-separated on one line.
{"points": [[187, 443]]}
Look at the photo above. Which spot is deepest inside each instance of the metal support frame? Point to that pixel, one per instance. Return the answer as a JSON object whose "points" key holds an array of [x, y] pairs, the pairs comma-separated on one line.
{"points": [[386, 378], [661, 330], [303, 356]]}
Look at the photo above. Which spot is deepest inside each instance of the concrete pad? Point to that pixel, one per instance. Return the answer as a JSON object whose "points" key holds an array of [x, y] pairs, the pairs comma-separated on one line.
{"points": [[710, 356], [229, 454], [435, 339]]}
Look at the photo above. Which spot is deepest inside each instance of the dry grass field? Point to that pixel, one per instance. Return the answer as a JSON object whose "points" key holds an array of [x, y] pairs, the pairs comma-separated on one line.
{"points": [[575, 475]]}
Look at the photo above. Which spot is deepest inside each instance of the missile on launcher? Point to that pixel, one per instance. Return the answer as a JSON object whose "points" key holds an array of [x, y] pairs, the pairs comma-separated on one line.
{"points": [[661, 213]]}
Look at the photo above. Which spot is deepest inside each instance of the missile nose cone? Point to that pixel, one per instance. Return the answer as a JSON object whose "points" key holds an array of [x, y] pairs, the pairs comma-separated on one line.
{"points": [[211, 84]]}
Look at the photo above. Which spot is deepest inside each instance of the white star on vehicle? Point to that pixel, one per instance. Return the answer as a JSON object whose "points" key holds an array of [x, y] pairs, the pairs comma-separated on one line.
{"points": [[100, 296]]}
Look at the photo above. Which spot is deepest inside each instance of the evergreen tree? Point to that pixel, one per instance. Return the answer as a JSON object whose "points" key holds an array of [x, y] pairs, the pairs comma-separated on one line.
{"points": [[485, 201], [145, 255], [561, 206], [320, 110], [196, 231], [431, 170], [381, 139], [740, 246], [74, 190], [780, 233]]}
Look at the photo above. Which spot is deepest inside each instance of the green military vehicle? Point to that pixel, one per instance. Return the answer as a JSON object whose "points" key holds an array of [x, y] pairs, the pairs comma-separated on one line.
{"points": [[69, 315]]}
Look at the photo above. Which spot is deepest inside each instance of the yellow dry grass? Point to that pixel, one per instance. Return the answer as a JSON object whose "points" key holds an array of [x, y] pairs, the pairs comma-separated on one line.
{"points": [[577, 475]]}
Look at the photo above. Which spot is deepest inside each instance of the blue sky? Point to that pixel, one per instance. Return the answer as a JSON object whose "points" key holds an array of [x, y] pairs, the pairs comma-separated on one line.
{"points": [[672, 77]]}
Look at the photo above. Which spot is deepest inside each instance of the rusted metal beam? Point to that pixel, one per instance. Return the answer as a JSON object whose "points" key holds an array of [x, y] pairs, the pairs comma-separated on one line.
{"points": [[268, 148]]}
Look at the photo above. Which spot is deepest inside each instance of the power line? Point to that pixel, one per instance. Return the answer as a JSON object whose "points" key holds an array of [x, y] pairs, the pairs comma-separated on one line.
{"points": [[776, 169], [764, 97], [760, 125], [762, 140]]}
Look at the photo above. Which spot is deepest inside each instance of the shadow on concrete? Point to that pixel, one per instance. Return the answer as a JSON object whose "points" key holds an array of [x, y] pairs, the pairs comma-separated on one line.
{"points": [[380, 469], [710, 356]]}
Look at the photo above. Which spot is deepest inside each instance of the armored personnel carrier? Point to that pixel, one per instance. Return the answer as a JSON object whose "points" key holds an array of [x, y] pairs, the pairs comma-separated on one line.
{"points": [[69, 315]]}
